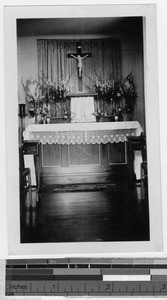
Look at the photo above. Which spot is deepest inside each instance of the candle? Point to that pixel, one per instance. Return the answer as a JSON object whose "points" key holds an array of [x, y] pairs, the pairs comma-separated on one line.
{"points": [[98, 106], [111, 104]]}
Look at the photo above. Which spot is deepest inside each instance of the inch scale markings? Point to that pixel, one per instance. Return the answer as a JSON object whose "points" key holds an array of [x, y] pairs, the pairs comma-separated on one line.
{"points": [[70, 288], [84, 276]]}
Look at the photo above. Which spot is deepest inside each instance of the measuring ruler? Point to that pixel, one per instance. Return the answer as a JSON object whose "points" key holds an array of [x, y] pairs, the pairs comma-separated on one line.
{"points": [[86, 276]]}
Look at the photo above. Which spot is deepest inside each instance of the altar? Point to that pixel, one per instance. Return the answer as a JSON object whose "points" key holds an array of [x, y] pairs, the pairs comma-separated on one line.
{"points": [[82, 152]]}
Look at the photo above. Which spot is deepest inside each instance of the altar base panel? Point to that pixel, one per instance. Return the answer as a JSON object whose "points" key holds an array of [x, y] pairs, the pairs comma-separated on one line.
{"points": [[68, 164], [83, 152]]}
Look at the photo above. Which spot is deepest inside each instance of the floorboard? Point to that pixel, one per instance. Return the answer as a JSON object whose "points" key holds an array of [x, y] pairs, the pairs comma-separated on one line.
{"points": [[90, 216]]}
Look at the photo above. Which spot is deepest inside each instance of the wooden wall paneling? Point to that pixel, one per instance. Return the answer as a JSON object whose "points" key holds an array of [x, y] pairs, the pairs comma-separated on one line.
{"points": [[51, 155], [116, 153], [104, 155], [132, 61], [109, 160], [64, 156]]}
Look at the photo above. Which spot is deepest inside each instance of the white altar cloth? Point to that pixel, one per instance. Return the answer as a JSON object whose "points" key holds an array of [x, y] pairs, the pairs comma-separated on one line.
{"points": [[87, 133]]}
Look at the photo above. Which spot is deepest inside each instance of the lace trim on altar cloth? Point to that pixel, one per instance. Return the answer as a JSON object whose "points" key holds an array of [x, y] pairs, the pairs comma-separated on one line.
{"points": [[82, 137]]}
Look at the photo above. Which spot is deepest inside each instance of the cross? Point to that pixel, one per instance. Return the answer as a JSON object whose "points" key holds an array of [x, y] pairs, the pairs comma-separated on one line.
{"points": [[79, 56]]}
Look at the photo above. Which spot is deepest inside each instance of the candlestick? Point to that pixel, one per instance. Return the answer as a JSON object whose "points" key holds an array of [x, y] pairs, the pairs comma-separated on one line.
{"points": [[22, 110], [22, 116]]}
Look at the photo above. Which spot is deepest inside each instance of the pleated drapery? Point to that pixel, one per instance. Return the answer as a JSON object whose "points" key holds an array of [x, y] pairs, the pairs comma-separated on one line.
{"points": [[53, 63]]}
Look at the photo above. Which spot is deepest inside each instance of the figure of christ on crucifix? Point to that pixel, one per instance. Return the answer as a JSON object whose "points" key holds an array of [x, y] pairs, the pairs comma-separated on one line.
{"points": [[79, 57]]}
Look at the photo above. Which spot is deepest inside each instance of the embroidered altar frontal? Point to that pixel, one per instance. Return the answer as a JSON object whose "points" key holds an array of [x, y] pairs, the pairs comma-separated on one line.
{"points": [[82, 152]]}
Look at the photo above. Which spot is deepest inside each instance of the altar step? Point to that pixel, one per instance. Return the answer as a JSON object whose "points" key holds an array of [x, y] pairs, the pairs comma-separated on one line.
{"points": [[115, 174], [82, 187]]}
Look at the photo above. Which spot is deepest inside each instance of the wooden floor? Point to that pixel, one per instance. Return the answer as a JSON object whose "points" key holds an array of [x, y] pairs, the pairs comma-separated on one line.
{"points": [[85, 216]]}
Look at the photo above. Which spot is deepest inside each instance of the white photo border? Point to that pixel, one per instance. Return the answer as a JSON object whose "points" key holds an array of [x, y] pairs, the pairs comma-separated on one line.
{"points": [[148, 12]]}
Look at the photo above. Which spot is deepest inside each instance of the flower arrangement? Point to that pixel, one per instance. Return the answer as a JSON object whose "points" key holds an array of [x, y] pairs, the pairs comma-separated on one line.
{"points": [[58, 93], [32, 90], [40, 96], [119, 95], [55, 94], [98, 114], [108, 90], [115, 97], [33, 93], [67, 115], [53, 91]]}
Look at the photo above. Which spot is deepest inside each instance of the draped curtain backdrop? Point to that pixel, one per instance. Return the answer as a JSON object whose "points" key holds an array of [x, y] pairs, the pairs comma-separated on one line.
{"points": [[54, 64]]}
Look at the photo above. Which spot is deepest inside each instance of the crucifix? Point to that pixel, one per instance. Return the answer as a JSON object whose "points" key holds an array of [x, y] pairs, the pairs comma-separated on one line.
{"points": [[79, 56]]}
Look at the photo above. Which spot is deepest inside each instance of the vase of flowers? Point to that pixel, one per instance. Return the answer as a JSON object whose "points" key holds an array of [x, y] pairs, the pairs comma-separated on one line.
{"points": [[98, 114], [38, 105], [33, 96], [126, 114], [115, 94]]}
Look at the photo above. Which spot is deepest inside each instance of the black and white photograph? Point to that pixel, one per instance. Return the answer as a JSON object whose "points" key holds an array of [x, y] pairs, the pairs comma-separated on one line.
{"points": [[85, 131]]}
